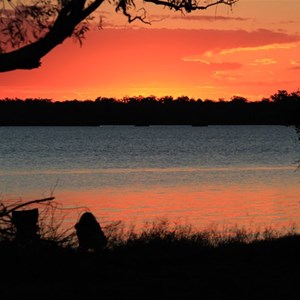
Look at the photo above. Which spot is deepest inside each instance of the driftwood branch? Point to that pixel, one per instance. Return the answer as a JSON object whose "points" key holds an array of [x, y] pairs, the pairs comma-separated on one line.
{"points": [[6, 212]]}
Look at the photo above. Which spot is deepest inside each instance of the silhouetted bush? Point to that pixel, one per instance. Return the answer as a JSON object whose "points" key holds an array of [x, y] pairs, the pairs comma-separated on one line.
{"points": [[158, 261]]}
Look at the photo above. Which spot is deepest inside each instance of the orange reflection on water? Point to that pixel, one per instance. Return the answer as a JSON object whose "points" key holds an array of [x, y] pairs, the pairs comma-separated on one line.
{"points": [[202, 207]]}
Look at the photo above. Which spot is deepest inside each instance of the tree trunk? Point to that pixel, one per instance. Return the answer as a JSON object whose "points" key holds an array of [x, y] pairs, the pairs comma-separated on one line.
{"points": [[29, 56]]}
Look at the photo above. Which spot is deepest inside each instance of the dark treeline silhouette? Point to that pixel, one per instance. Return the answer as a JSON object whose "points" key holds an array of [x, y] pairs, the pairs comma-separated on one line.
{"points": [[282, 108]]}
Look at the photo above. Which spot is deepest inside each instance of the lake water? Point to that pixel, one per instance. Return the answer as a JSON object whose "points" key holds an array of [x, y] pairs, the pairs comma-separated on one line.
{"points": [[224, 175]]}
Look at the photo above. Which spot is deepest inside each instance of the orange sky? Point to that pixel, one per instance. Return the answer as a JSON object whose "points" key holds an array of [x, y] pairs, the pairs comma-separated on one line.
{"points": [[252, 50]]}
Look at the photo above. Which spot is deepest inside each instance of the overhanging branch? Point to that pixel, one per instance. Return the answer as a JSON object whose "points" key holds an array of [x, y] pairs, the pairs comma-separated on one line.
{"points": [[29, 56], [189, 5], [73, 13]]}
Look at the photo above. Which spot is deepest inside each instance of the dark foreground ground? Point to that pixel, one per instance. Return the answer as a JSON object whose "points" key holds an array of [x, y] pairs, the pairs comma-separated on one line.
{"points": [[268, 269]]}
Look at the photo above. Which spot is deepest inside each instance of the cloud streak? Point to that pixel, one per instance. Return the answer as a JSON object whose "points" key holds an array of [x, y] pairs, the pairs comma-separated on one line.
{"points": [[295, 62], [212, 65], [209, 18], [269, 47], [263, 61]]}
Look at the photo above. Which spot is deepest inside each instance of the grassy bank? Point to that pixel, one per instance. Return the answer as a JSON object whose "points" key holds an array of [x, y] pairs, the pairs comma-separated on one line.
{"points": [[158, 262]]}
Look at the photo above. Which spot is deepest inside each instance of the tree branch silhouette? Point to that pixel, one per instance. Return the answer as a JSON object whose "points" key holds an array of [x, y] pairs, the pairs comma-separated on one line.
{"points": [[6, 211], [29, 32], [189, 5], [28, 56]]}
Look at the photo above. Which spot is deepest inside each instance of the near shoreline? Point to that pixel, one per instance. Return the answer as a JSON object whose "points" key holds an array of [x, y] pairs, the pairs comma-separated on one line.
{"points": [[159, 263]]}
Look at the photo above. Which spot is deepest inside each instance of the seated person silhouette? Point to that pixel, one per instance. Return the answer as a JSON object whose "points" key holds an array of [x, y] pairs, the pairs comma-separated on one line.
{"points": [[89, 233]]}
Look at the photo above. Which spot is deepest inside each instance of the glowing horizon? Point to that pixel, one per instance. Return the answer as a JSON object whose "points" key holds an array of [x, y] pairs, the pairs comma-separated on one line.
{"points": [[251, 51]]}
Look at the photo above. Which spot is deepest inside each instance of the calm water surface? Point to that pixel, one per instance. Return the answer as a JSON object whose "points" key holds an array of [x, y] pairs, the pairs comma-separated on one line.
{"points": [[225, 175]]}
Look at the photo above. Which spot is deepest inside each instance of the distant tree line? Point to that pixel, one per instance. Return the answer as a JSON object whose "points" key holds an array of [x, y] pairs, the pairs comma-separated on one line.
{"points": [[282, 108]]}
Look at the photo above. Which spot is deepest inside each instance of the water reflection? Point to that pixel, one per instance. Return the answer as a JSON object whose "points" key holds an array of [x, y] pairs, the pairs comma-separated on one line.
{"points": [[249, 206], [244, 175]]}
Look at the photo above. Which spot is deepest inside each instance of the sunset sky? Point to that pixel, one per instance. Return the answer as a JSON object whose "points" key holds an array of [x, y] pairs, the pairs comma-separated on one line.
{"points": [[251, 50]]}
